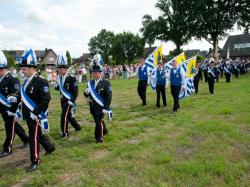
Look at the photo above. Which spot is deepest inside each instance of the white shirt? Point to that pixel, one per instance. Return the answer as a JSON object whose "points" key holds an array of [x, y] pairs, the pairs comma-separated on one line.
{"points": [[64, 78], [28, 81], [137, 70], [97, 81]]}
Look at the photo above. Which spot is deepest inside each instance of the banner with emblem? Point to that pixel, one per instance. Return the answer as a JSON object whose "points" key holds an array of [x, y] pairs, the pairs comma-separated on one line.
{"points": [[151, 62], [179, 58], [188, 66]]}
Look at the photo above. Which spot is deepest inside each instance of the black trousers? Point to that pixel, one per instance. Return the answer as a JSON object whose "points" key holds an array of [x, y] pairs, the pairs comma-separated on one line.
{"points": [[196, 85], [205, 76], [236, 74], [228, 77], [211, 85], [12, 127], [66, 117], [36, 137], [100, 127], [175, 91], [160, 91], [141, 89]]}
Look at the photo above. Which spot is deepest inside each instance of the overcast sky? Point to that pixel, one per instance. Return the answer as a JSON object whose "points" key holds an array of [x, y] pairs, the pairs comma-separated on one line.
{"points": [[69, 24]]}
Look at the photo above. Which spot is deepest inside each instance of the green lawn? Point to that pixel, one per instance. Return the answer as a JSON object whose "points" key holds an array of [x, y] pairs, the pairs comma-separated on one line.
{"points": [[207, 143]]}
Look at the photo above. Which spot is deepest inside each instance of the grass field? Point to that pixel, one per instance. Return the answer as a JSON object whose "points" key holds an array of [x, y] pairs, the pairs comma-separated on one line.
{"points": [[207, 143]]}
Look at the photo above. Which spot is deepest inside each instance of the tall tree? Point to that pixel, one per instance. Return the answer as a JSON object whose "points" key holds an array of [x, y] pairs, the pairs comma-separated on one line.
{"points": [[148, 30], [127, 47], [102, 44], [171, 25], [10, 59], [244, 15], [69, 60], [212, 19]]}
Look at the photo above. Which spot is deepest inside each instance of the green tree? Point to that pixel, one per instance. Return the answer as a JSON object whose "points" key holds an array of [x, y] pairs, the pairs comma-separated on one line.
{"points": [[127, 47], [170, 26], [102, 44], [69, 60], [244, 15], [10, 59], [149, 29], [212, 19]]}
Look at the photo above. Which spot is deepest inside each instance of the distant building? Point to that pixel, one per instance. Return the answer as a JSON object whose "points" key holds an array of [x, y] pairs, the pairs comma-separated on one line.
{"points": [[237, 46], [193, 52], [84, 59], [47, 56]]}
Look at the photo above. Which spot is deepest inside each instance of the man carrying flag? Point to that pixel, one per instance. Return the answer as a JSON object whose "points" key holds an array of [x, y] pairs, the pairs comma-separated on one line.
{"points": [[99, 95], [143, 74], [35, 97], [69, 90], [9, 85], [177, 82]]}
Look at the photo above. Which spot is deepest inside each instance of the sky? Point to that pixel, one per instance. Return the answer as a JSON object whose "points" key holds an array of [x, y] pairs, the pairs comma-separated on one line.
{"points": [[69, 24]]}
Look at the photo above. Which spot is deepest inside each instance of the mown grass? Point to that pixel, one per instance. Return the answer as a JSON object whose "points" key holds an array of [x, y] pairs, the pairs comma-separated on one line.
{"points": [[207, 143]]}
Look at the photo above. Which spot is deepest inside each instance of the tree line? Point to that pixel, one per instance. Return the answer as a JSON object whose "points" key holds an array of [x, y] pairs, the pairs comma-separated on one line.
{"points": [[180, 21]]}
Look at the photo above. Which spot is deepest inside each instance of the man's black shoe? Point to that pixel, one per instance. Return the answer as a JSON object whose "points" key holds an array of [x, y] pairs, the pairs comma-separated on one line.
{"points": [[49, 152], [4, 154], [78, 129], [32, 168], [64, 136], [99, 141]]}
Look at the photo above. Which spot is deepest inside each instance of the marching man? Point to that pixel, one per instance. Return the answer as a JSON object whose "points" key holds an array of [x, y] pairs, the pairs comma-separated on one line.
{"points": [[99, 93], [69, 90], [35, 101], [9, 85]]}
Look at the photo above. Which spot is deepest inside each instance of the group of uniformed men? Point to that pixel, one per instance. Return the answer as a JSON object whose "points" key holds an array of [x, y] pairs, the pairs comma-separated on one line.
{"points": [[176, 77], [34, 96]]}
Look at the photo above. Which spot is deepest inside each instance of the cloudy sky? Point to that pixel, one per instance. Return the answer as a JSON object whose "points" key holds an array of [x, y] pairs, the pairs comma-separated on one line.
{"points": [[69, 24]]}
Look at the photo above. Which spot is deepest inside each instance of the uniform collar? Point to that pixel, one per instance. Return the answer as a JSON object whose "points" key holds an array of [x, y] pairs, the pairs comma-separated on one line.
{"points": [[31, 77], [4, 76]]}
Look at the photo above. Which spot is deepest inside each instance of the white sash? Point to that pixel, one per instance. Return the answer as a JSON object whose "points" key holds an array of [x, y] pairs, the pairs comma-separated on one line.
{"points": [[31, 105], [4, 101]]}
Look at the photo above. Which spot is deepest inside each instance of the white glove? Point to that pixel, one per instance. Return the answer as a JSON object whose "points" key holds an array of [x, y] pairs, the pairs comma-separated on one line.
{"points": [[105, 111], [12, 99], [10, 113], [70, 103], [53, 84], [33, 116], [87, 91]]}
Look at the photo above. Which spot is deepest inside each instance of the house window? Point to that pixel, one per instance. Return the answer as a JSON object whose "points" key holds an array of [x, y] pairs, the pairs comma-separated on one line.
{"points": [[51, 59]]}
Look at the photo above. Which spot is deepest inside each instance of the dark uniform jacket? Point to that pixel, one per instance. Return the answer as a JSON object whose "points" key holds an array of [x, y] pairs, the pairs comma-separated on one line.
{"points": [[38, 91], [104, 90], [198, 75], [211, 76], [9, 86], [70, 85]]}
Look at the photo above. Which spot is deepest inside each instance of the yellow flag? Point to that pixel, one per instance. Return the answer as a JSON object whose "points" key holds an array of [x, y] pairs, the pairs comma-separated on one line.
{"points": [[180, 58], [191, 65], [157, 55]]}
